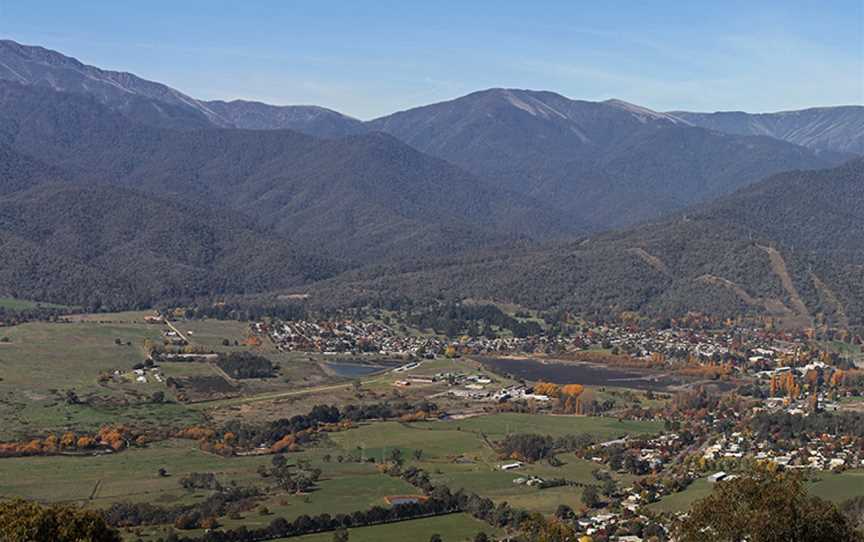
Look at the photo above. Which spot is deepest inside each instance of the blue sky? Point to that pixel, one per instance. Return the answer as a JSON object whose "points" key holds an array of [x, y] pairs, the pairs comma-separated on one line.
{"points": [[368, 58]]}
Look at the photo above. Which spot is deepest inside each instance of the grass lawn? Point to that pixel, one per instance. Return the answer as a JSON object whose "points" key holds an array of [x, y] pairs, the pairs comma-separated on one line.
{"points": [[679, 502], [437, 440], [827, 485], [838, 487], [210, 333], [451, 528], [499, 425]]}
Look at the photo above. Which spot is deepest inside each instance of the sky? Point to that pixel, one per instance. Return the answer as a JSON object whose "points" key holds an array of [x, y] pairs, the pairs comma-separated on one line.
{"points": [[370, 58]]}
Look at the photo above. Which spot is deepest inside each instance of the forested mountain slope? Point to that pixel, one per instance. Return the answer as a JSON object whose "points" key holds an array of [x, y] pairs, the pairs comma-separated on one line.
{"points": [[106, 246], [790, 246]]}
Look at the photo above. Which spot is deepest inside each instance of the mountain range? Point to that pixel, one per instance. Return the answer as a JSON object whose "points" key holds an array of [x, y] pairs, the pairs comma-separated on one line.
{"points": [[117, 191], [609, 164]]}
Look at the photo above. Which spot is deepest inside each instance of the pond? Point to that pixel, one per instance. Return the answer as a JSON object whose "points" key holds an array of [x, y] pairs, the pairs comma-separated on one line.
{"points": [[587, 374]]}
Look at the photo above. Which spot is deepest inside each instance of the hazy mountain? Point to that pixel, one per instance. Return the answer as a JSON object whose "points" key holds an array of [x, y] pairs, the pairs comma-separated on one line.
{"points": [[105, 245], [791, 246], [145, 101], [610, 162], [312, 120], [361, 197], [839, 129]]}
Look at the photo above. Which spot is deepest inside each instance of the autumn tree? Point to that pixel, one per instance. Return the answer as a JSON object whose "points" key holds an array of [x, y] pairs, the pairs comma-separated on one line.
{"points": [[547, 388], [539, 529], [22, 521]]}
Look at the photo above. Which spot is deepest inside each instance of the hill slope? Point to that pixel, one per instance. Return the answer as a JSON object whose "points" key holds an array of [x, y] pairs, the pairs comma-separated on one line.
{"points": [[839, 129], [106, 246], [726, 258], [611, 162], [18, 172]]}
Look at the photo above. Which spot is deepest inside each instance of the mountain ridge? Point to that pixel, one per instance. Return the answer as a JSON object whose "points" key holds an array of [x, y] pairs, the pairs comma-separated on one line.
{"points": [[835, 128], [611, 162]]}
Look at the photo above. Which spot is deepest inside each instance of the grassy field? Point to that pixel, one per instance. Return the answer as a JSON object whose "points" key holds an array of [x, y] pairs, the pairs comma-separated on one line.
{"points": [[43, 361], [211, 333], [838, 487], [451, 528], [344, 487], [456, 454], [46, 356], [134, 475], [604, 428], [444, 440], [678, 502], [827, 485]]}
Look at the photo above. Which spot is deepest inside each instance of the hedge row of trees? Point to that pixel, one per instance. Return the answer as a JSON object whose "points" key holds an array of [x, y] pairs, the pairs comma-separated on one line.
{"points": [[224, 501], [304, 524], [246, 436], [244, 311]]}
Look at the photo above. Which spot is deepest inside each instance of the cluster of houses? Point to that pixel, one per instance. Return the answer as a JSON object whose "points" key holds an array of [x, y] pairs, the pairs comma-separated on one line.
{"points": [[827, 453], [341, 336], [357, 336], [142, 375]]}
